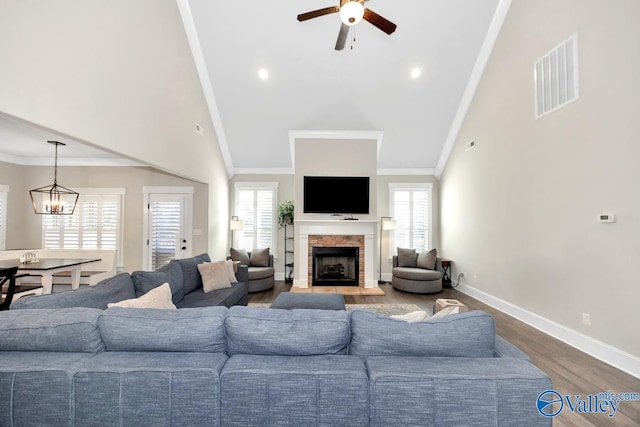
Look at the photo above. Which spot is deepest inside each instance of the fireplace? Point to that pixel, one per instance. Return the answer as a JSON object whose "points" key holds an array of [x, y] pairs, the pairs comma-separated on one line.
{"points": [[335, 266]]}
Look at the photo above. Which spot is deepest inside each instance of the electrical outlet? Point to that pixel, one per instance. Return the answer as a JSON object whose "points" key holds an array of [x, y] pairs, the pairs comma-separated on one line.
{"points": [[586, 319]]}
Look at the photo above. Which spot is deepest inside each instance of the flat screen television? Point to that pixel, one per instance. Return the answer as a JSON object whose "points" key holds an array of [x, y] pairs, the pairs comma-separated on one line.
{"points": [[336, 194]]}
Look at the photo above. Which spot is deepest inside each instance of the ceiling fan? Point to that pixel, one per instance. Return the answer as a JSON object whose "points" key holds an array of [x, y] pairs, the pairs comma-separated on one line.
{"points": [[351, 13]]}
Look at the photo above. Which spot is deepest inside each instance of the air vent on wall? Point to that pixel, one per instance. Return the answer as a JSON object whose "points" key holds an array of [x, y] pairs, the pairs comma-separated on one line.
{"points": [[556, 77]]}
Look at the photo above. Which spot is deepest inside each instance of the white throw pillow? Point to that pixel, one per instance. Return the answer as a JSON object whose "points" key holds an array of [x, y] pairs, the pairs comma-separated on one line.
{"points": [[159, 297], [445, 312], [414, 316], [214, 275], [232, 267]]}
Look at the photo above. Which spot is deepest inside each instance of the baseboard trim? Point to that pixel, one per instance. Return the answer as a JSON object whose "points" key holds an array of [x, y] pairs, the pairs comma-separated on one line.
{"points": [[611, 355]]}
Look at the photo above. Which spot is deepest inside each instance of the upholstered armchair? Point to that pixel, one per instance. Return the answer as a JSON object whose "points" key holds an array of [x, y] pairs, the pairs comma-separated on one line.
{"points": [[261, 270], [418, 273]]}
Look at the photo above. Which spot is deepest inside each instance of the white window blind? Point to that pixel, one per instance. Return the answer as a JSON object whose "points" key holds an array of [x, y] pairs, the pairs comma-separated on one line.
{"points": [[411, 209], [4, 190], [256, 207], [166, 229], [95, 224]]}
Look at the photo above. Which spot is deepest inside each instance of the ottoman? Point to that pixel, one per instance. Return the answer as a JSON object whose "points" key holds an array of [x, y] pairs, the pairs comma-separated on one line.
{"points": [[288, 301]]}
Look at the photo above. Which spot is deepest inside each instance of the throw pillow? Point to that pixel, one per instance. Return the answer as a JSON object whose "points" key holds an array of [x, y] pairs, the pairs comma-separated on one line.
{"points": [[427, 260], [407, 257], [445, 312], [414, 316], [240, 255], [232, 267], [259, 258], [159, 298], [214, 275]]}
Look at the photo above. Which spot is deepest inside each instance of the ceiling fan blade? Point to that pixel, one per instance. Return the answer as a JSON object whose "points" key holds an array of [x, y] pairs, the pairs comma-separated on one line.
{"points": [[382, 23], [342, 37], [319, 12]]}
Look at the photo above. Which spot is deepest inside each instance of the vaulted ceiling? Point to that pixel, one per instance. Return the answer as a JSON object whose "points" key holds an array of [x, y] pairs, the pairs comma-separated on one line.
{"points": [[312, 87]]}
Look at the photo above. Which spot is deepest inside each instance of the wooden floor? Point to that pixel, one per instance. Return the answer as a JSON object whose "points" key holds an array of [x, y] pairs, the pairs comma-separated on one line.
{"points": [[572, 371]]}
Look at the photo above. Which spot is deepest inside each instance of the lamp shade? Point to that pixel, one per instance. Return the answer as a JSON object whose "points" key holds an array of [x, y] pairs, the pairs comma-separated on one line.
{"points": [[389, 224], [236, 224], [351, 12]]}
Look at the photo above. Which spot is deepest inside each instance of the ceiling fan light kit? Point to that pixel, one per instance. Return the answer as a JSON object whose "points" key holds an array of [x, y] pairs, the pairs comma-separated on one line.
{"points": [[351, 13]]}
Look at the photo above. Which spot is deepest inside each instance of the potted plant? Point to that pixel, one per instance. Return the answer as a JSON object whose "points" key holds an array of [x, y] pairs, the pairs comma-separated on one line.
{"points": [[285, 213]]}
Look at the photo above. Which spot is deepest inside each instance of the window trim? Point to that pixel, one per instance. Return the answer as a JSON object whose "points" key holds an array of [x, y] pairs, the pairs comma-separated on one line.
{"points": [[394, 186], [270, 185], [4, 196]]}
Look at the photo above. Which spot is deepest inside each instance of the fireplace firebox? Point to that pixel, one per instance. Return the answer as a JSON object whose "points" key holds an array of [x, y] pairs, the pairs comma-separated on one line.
{"points": [[335, 266]]}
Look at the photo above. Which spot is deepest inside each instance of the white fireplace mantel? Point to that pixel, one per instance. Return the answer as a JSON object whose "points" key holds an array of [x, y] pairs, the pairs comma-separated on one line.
{"points": [[306, 228]]}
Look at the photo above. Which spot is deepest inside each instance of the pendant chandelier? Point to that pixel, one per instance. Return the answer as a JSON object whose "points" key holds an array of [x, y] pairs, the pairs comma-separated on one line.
{"points": [[54, 199]]}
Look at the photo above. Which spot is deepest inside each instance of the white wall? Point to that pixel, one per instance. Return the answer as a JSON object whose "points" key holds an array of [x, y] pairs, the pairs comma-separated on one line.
{"points": [[519, 212], [115, 74]]}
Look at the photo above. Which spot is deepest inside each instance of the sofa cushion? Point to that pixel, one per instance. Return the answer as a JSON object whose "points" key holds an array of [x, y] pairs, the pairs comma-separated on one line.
{"points": [[214, 275], [415, 273], [470, 334], [139, 329], [236, 294], [240, 255], [174, 272], [259, 258], [158, 298], [257, 273], [63, 330], [113, 289], [407, 257], [286, 332], [191, 278], [427, 259]]}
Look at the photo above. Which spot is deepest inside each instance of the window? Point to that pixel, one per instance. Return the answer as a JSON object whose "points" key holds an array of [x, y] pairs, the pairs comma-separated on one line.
{"points": [[256, 207], [4, 190], [95, 224], [410, 207]]}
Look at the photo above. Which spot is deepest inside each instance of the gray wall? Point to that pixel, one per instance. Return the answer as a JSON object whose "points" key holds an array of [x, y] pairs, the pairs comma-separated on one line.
{"points": [[24, 227], [519, 212]]}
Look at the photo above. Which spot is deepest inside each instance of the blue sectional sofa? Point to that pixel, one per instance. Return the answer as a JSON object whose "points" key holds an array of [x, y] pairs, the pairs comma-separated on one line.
{"points": [[182, 275], [247, 366]]}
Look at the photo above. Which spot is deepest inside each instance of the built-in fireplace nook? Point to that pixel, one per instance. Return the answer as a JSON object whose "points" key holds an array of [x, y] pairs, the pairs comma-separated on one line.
{"points": [[335, 266]]}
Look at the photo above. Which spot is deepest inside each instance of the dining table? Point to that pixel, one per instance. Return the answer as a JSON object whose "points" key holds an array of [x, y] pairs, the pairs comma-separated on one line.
{"points": [[47, 267]]}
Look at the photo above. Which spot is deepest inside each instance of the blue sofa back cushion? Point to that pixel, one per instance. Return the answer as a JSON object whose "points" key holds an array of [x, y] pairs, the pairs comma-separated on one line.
{"points": [[147, 329], [272, 332], [191, 278], [144, 281], [470, 334], [112, 289], [51, 330], [176, 281]]}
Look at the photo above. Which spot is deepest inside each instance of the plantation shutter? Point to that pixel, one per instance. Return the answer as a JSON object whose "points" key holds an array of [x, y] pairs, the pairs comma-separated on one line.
{"points": [[166, 229], [411, 209], [256, 208], [95, 224]]}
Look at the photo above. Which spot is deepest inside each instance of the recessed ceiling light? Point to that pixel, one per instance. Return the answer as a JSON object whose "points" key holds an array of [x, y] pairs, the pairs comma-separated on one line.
{"points": [[415, 72], [263, 74]]}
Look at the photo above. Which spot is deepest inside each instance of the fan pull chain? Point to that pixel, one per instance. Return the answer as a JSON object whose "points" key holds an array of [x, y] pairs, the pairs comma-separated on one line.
{"points": [[353, 30]]}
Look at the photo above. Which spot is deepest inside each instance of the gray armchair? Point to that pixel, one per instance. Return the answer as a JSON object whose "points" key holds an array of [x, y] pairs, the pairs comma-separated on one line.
{"points": [[261, 274], [417, 280]]}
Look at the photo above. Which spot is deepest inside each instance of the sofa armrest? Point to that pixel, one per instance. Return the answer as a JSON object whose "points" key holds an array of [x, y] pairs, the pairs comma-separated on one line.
{"points": [[505, 349], [242, 274], [270, 260]]}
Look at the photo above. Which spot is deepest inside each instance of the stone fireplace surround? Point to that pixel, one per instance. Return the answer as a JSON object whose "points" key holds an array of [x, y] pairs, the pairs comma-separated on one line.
{"points": [[327, 233]]}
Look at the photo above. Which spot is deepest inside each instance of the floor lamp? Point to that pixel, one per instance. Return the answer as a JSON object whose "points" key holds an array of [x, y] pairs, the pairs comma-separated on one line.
{"points": [[386, 224], [235, 225]]}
